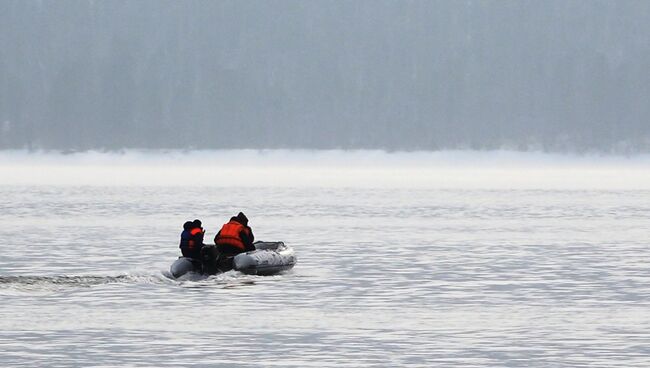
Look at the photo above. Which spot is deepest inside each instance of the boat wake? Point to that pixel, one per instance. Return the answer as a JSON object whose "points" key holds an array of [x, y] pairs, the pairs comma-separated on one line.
{"points": [[74, 280], [32, 283]]}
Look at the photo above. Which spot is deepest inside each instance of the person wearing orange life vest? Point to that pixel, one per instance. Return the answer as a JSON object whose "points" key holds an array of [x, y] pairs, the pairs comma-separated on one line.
{"points": [[192, 239], [235, 237]]}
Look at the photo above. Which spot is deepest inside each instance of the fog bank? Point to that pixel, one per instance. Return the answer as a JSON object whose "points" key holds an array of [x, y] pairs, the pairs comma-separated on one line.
{"points": [[556, 75], [303, 168]]}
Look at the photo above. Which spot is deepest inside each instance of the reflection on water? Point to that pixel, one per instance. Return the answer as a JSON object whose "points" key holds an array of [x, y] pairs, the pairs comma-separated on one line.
{"points": [[387, 277]]}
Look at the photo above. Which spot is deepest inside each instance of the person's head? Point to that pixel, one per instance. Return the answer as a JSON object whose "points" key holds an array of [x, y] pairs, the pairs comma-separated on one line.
{"points": [[197, 223], [242, 219]]}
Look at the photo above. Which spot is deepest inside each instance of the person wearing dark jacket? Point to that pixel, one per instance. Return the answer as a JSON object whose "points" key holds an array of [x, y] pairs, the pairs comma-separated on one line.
{"points": [[192, 239], [235, 237]]}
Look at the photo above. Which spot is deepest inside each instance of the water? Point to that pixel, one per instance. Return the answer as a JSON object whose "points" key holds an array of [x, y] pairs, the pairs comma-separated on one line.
{"points": [[396, 275]]}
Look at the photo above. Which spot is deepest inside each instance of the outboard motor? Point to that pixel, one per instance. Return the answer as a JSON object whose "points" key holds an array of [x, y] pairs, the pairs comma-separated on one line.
{"points": [[225, 262], [210, 259]]}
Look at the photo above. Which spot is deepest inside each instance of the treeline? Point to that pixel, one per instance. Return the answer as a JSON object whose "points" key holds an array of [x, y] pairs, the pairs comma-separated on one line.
{"points": [[399, 75]]}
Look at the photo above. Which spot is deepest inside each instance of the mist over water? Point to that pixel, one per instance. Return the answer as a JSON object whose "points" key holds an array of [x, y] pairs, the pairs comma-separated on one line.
{"points": [[402, 75], [318, 168]]}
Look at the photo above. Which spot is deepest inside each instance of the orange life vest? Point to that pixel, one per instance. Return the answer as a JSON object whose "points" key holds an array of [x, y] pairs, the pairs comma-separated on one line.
{"points": [[193, 232], [229, 235]]}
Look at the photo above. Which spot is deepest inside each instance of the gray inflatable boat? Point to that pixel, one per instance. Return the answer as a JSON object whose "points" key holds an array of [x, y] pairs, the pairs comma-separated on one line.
{"points": [[268, 258]]}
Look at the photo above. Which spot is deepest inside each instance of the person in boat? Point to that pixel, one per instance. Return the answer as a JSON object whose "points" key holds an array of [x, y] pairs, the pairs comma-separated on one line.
{"points": [[192, 239], [235, 237]]}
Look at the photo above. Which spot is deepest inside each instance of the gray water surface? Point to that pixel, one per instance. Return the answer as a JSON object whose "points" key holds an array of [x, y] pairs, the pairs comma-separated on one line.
{"points": [[385, 277]]}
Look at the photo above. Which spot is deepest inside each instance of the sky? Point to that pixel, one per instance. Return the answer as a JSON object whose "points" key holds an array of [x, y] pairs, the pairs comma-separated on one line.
{"points": [[554, 76]]}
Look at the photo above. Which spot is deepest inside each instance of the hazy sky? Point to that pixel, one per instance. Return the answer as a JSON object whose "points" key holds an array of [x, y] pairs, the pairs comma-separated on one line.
{"points": [[397, 75]]}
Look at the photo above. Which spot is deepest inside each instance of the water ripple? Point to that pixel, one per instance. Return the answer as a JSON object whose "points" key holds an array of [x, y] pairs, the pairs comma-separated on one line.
{"points": [[387, 277]]}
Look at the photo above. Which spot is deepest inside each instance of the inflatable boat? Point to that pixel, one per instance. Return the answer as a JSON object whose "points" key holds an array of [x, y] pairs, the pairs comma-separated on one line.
{"points": [[268, 258]]}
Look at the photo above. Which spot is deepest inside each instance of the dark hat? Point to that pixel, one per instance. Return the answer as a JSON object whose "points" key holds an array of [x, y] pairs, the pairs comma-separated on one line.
{"points": [[242, 219], [187, 225], [197, 223]]}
